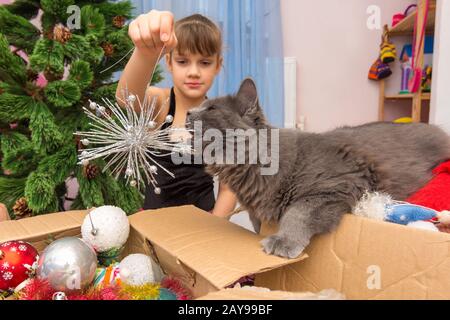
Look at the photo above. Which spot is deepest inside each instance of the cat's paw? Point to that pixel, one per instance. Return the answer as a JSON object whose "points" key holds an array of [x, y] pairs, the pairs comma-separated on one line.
{"points": [[282, 246]]}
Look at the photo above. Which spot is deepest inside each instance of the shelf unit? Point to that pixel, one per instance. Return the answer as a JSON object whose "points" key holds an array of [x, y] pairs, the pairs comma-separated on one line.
{"points": [[406, 28]]}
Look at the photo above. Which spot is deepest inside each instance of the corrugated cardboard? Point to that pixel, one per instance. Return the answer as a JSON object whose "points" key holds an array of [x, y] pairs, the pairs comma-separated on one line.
{"points": [[243, 294], [255, 293], [369, 259], [205, 252]]}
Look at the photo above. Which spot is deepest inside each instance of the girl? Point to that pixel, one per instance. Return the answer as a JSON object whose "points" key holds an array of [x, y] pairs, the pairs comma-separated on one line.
{"points": [[193, 53]]}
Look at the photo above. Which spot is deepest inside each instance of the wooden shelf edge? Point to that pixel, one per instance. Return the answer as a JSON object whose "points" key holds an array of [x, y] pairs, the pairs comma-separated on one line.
{"points": [[425, 96], [406, 26]]}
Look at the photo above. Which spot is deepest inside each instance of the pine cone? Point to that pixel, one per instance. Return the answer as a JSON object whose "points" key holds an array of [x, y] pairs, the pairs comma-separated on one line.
{"points": [[21, 209], [118, 21], [61, 34], [90, 171], [108, 48]]}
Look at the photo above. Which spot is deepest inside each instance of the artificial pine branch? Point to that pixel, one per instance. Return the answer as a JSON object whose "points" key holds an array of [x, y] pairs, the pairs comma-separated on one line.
{"points": [[18, 30], [28, 9], [37, 121]]}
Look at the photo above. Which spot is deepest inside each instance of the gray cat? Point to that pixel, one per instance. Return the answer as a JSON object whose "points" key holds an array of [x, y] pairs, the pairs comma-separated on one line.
{"points": [[321, 176]]}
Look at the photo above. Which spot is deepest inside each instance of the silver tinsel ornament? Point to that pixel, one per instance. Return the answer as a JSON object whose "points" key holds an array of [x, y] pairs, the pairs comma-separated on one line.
{"points": [[130, 141], [68, 264]]}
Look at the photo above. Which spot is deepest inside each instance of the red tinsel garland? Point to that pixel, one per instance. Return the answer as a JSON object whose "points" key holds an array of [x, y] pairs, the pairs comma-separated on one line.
{"points": [[176, 287], [38, 289]]}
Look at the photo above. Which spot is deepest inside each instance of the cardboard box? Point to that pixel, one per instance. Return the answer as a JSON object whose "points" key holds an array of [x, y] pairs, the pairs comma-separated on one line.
{"points": [[255, 293], [369, 259], [203, 251], [362, 259]]}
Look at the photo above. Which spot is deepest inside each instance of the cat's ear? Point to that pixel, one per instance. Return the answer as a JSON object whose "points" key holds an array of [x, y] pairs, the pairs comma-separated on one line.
{"points": [[249, 93], [248, 90]]}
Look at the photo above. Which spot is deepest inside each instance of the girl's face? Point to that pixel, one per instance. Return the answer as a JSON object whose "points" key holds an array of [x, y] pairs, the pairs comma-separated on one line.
{"points": [[193, 74]]}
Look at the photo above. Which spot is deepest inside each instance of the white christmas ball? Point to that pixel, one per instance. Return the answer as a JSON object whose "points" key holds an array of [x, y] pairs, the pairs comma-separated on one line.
{"points": [[139, 269], [111, 228]]}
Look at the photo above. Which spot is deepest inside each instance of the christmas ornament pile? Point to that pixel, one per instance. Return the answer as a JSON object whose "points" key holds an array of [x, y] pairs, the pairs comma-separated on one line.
{"points": [[69, 268]]}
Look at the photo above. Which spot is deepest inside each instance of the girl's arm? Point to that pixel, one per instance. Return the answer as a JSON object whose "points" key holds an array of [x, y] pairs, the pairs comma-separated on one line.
{"points": [[226, 202]]}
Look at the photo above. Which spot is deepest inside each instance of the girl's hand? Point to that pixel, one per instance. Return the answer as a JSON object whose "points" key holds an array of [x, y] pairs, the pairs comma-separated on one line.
{"points": [[150, 32]]}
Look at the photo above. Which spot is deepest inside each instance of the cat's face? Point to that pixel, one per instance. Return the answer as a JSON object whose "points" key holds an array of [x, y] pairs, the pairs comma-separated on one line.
{"points": [[241, 111]]}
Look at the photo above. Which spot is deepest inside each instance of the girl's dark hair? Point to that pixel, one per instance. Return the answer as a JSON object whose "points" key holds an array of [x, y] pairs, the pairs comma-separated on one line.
{"points": [[197, 34]]}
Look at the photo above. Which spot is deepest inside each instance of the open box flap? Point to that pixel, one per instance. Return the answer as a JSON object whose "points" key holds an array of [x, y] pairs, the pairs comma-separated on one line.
{"points": [[220, 251], [41, 226]]}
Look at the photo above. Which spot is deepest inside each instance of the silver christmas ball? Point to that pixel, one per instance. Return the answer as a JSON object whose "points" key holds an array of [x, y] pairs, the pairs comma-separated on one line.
{"points": [[101, 109], [133, 183], [85, 142], [152, 124], [153, 169], [68, 264], [92, 105], [84, 162], [84, 154], [169, 119], [157, 190]]}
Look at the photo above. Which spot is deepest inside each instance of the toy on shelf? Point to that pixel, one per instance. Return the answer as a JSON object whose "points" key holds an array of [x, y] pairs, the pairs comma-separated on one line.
{"points": [[406, 66], [388, 52], [379, 70], [398, 17], [426, 79], [404, 120], [406, 73], [415, 80]]}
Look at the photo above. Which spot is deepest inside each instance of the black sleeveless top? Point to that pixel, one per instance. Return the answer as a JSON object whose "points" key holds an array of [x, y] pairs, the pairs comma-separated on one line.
{"points": [[191, 185]]}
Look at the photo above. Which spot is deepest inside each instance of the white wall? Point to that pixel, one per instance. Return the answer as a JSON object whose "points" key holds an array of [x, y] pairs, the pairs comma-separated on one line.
{"points": [[440, 107], [334, 49]]}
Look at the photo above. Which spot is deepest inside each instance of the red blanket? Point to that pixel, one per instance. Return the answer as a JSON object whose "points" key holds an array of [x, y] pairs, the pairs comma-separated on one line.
{"points": [[436, 194]]}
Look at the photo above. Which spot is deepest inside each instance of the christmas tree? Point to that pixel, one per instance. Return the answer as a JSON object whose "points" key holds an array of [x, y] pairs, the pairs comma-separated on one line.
{"points": [[47, 74]]}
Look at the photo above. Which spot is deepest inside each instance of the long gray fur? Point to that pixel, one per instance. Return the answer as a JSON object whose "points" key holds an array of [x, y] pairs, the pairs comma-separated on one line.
{"points": [[321, 176]]}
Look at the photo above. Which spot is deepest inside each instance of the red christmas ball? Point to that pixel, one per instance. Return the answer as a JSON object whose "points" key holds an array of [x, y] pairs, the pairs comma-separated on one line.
{"points": [[18, 260]]}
